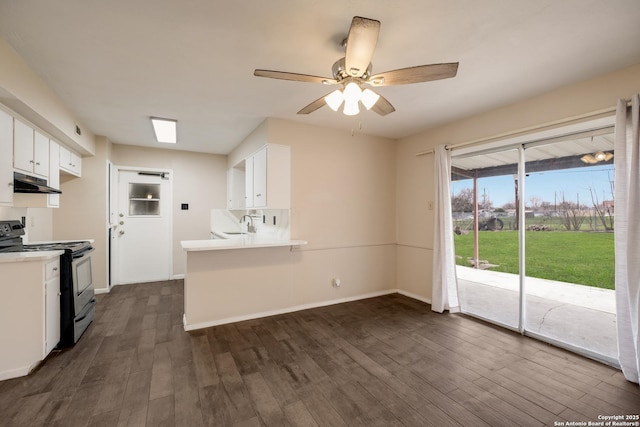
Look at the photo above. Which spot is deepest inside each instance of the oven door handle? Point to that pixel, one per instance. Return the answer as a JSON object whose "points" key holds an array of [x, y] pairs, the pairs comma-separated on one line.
{"points": [[83, 253]]}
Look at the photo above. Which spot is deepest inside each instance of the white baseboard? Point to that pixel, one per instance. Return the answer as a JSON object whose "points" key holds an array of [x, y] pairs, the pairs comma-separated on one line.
{"points": [[102, 291], [191, 327], [17, 372], [414, 296], [177, 277]]}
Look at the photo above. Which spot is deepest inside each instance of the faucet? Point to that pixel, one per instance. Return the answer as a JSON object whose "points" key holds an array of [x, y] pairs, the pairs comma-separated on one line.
{"points": [[250, 227]]}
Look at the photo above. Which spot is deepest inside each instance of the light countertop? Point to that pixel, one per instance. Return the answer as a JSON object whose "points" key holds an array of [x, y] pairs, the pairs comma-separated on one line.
{"points": [[29, 256], [245, 242]]}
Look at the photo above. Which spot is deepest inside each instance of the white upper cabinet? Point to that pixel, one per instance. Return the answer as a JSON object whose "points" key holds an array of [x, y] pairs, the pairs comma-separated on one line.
{"points": [[268, 178], [30, 150], [54, 174], [6, 164], [236, 187], [70, 162], [248, 182], [260, 179], [22, 146], [40, 154]]}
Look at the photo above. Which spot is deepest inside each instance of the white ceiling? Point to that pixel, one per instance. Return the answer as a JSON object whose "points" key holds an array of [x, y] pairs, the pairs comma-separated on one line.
{"points": [[115, 63]]}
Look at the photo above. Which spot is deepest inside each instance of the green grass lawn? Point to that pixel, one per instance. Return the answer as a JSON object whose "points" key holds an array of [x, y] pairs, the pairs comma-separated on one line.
{"points": [[575, 257]]}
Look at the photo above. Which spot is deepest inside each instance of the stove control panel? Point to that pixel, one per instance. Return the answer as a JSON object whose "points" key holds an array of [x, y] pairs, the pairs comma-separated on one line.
{"points": [[11, 229]]}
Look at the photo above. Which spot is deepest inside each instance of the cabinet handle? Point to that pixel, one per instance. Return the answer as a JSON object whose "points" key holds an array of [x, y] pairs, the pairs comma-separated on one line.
{"points": [[37, 163], [31, 161], [55, 268], [259, 195]]}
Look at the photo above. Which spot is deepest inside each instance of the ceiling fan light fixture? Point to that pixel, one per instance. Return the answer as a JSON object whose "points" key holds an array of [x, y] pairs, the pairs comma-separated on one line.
{"points": [[600, 156], [352, 93], [369, 98], [334, 99], [350, 108]]}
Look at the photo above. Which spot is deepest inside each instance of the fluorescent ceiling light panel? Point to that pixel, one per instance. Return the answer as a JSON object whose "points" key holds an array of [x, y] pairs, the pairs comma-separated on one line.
{"points": [[165, 130]]}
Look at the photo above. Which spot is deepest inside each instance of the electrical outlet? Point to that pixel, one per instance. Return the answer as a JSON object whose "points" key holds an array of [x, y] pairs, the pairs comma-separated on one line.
{"points": [[337, 282]]}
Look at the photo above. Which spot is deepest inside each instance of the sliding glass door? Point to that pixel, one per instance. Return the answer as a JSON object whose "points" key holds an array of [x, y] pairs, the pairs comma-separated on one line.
{"points": [[534, 243], [570, 247], [486, 236]]}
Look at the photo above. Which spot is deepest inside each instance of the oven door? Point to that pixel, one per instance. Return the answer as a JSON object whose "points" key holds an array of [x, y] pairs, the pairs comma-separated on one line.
{"points": [[82, 280]]}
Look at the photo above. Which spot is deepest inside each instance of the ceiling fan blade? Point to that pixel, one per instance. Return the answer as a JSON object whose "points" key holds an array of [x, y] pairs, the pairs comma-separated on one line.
{"points": [[313, 106], [383, 107], [361, 42], [419, 74], [283, 75]]}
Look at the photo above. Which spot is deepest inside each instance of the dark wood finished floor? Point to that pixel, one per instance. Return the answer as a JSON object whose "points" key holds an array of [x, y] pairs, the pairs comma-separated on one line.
{"points": [[383, 361]]}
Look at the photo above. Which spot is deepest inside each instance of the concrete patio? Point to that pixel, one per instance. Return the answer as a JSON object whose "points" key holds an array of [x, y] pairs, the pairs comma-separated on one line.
{"points": [[581, 316]]}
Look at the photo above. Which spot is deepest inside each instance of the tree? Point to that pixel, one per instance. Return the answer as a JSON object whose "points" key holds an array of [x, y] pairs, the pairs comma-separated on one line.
{"points": [[463, 201], [572, 215], [603, 212], [535, 202]]}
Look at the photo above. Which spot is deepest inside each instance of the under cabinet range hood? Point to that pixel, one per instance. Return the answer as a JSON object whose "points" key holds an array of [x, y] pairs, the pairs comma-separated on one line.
{"points": [[30, 184]]}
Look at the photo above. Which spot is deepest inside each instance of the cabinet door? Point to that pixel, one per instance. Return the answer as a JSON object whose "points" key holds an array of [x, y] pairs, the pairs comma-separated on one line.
{"points": [[22, 146], [260, 178], [6, 159], [52, 306], [65, 158], [76, 164], [70, 161], [248, 182], [40, 155], [54, 173]]}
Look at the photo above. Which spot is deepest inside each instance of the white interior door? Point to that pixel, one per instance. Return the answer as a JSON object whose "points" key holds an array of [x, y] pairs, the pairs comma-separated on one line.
{"points": [[142, 231]]}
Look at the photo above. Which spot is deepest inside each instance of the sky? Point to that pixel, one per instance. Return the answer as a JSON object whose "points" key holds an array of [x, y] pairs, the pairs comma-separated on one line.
{"points": [[547, 186]]}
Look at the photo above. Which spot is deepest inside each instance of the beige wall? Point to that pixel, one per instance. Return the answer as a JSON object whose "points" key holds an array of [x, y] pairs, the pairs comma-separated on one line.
{"points": [[342, 203], [415, 186], [24, 92], [83, 209], [198, 179]]}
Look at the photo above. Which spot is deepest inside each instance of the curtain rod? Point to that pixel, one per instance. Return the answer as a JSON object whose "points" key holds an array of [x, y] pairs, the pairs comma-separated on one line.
{"points": [[554, 123]]}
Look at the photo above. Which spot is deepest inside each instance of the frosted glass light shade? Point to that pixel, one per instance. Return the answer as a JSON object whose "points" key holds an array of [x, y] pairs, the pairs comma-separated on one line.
{"points": [[351, 108], [352, 93], [369, 98], [334, 99]]}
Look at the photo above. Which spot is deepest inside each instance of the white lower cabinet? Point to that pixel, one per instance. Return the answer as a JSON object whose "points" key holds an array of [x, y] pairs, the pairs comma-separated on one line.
{"points": [[29, 311], [52, 306]]}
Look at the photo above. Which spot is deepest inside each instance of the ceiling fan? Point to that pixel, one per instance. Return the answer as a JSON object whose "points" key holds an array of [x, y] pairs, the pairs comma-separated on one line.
{"points": [[354, 71]]}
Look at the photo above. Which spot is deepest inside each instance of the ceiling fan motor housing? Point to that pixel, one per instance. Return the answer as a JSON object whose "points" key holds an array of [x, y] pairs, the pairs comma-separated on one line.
{"points": [[340, 72]]}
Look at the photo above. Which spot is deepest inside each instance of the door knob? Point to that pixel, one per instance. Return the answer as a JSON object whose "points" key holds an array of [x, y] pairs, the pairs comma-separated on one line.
{"points": [[121, 222], [121, 232], [121, 215]]}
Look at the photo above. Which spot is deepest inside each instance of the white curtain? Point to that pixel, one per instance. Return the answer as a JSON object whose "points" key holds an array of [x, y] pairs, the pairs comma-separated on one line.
{"points": [[627, 235], [444, 295]]}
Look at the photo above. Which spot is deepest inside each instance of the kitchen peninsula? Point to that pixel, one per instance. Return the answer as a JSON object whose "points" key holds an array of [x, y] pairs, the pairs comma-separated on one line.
{"points": [[229, 280]]}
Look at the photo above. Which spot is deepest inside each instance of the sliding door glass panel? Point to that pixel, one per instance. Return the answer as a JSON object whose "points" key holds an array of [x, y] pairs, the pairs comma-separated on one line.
{"points": [[486, 244], [569, 243]]}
